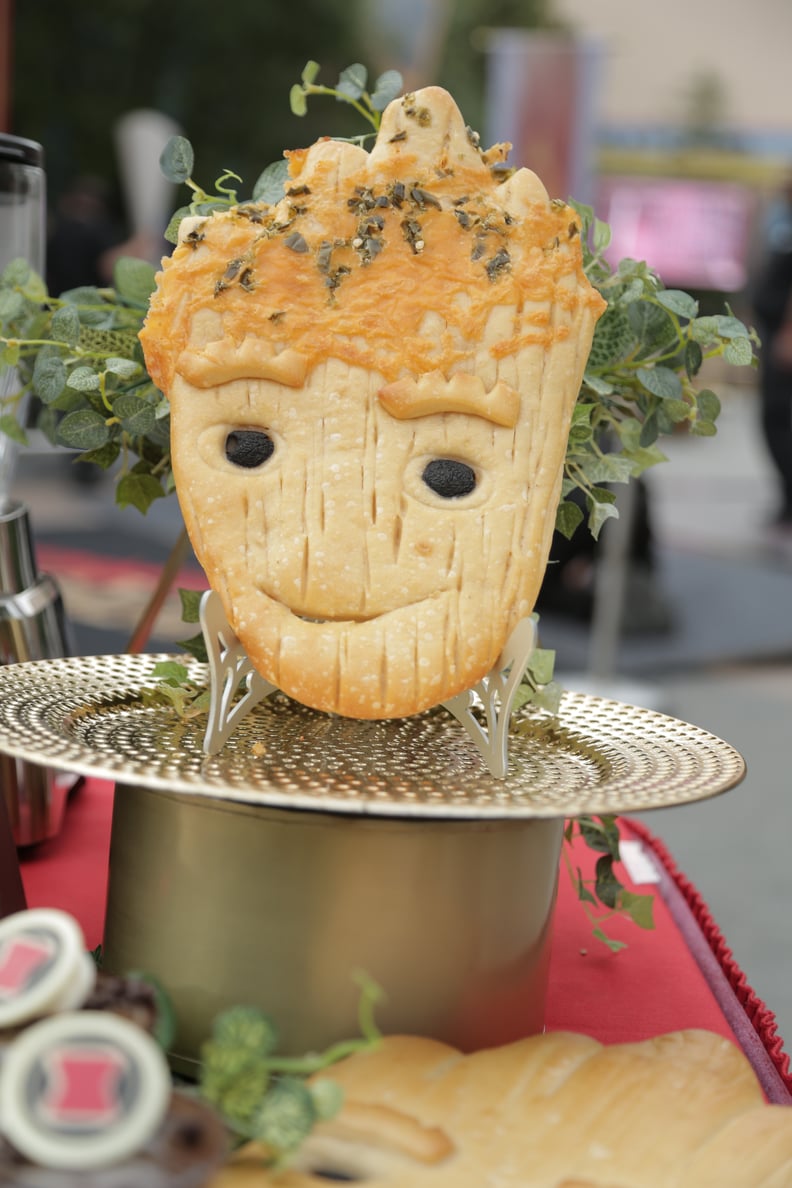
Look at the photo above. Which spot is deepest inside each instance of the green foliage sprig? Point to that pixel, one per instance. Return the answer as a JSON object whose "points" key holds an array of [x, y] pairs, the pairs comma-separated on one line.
{"points": [[350, 88], [604, 896], [265, 1097], [79, 356], [640, 381]]}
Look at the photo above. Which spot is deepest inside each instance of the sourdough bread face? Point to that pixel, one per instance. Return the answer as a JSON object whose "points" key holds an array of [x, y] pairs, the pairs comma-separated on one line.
{"points": [[371, 387], [682, 1110]]}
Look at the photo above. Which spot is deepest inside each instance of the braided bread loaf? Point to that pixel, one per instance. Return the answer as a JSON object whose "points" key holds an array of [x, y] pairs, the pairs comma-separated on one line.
{"points": [[682, 1110]]}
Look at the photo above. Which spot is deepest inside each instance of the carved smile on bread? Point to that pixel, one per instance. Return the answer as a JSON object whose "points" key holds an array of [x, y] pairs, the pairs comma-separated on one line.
{"points": [[371, 387]]}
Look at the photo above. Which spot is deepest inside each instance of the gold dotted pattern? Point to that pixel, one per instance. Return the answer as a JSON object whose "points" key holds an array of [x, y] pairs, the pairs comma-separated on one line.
{"points": [[86, 715]]}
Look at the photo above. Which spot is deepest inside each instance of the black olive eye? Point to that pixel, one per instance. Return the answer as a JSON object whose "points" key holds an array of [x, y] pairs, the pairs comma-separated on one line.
{"points": [[448, 478], [248, 447]]}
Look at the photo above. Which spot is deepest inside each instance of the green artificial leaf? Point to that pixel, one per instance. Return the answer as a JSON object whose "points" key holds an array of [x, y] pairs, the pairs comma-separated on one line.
{"points": [[11, 428], [606, 885], [34, 288], [134, 280], [548, 697], [123, 368], [694, 357], [601, 236], [171, 233], [597, 384], [704, 329], [195, 646], [613, 945], [66, 325], [600, 834], [328, 1098], [138, 490], [730, 327], [271, 184], [84, 379], [170, 670], [352, 81], [629, 430], [643, 459], [582, 891], [541, 665], [661, 381], [84, 429], [608, 468], [177, 159], [286, 1116], [49, 377], [640, 908], [675, 411], [16, 272], [298, 101], [310, 73], [703, 428], [191, 605], [739, 352], [650, 431], [613, 338], [569, 517], [708, 405], [601, 507], [680, 303], [652, 326], [108, 341], [136, 415], [103, 456], [12, 305], [90, 305], [387, 88]]}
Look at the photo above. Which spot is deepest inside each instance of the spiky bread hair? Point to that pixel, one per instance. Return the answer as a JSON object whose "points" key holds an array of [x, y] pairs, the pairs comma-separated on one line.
{"points": [[394, 260]]}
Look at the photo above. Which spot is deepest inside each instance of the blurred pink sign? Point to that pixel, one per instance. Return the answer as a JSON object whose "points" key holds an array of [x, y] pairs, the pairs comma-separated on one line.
{"points": [[694, 234]]}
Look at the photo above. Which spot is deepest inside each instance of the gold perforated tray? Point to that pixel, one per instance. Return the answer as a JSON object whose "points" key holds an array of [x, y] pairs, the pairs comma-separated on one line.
{"points": [[599, 756]]}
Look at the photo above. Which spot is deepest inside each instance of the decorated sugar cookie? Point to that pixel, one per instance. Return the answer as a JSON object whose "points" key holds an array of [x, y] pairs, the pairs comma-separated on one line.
{"points": [[371, 386]]}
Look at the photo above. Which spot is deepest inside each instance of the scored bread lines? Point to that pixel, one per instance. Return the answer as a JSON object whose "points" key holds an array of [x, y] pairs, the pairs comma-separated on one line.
{"points": [[389, 643]]}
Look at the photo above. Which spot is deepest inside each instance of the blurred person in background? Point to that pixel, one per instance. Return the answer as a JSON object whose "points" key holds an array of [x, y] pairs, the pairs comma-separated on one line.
{"points": [[772, 302]]}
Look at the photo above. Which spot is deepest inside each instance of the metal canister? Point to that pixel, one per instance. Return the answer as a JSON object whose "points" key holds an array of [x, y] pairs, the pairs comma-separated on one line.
{"points": [[32, 627], [228, 903]]}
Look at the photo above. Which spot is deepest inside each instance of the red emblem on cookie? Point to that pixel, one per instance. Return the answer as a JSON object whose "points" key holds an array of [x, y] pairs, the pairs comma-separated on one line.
{"points": [[82, 1089], [23, 959], [83, 1085], [43, 965]]}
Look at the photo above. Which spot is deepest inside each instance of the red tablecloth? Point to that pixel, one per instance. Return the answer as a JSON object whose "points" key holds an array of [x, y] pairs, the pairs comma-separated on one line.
{"points": [[679, 975]]}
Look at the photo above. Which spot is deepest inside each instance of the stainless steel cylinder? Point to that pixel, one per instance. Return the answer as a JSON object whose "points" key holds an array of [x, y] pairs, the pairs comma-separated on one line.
{"points": [[32, 627], [231, 903]]}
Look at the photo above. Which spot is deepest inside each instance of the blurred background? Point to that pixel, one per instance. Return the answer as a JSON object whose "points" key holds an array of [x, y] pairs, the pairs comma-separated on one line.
{"points": [[675, 122]]}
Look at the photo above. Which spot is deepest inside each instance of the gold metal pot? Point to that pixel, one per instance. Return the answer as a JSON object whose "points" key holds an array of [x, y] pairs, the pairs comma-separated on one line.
{"points": [[228, 902]]}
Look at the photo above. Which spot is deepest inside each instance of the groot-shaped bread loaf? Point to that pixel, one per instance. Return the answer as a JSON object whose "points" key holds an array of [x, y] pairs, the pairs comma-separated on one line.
{"points": [[371, 387]]}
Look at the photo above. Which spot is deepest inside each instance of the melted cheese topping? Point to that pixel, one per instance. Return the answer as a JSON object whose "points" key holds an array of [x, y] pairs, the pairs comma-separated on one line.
{"points": [[386, 261]]}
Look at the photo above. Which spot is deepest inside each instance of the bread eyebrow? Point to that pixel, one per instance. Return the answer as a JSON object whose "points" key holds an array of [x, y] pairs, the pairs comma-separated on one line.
{"points": [[254, 358], [433, 393]]}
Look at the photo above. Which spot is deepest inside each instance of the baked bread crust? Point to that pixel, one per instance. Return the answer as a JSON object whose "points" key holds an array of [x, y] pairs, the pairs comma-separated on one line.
{"points": [[395, 308], [682, 1110]]}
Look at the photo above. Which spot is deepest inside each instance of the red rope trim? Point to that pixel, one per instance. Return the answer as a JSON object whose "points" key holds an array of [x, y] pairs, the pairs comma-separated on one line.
{"points": [[758, 1013]]}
